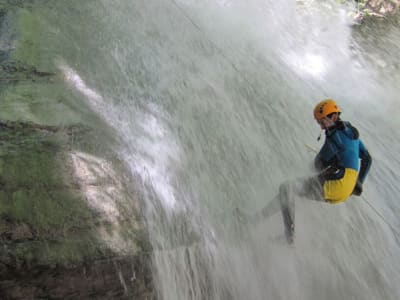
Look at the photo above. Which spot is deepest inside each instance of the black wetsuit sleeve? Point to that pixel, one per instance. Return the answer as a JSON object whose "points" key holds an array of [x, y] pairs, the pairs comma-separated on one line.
{"points": [[319, 164], [366, 162], [327, 156]]}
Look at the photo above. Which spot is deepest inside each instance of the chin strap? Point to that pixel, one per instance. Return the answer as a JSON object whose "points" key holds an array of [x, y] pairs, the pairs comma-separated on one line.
{"points": [[319, 137]]}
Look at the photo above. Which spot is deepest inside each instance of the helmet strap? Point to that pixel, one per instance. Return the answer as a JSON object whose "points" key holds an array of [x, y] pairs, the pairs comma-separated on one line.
{"points": [[319, 137]]}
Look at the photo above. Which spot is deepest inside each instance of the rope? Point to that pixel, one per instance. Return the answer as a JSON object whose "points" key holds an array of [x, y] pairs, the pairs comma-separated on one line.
{"points": [[311, 148], [369, 204], [394, 230], [187, 16]]}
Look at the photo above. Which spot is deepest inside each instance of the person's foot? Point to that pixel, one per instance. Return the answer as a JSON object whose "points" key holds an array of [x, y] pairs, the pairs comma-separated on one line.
{"points": [[289, 233]]}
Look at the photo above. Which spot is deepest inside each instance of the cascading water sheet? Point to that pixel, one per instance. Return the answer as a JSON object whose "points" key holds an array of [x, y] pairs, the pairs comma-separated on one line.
{"points": [[212, 102]]}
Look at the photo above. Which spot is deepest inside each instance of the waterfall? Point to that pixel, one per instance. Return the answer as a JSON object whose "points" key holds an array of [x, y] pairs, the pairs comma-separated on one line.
{"points": [[212, 102]]}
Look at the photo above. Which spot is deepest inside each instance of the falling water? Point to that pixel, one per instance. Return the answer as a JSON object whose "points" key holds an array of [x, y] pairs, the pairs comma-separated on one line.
{"points": [[212, 102]]}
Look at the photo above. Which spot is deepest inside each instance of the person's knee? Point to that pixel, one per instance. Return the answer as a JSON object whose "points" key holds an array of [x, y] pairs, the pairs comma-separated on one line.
{"points": [[284, 188]]}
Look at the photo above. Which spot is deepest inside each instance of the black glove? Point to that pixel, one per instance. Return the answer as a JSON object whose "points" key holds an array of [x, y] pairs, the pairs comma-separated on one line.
{"points": [[357, 189]]}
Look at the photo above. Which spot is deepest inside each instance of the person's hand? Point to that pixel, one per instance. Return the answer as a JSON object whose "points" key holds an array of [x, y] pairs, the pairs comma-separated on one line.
{"points": [[357, 189]]}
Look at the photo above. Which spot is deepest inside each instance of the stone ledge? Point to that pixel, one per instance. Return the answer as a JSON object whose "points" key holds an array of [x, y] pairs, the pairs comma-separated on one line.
{"points": [[108, 278]]}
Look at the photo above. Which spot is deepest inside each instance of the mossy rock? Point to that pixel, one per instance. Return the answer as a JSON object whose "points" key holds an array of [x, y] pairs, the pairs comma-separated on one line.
{"points": [[36, 194], [48, 231], [57, 242]]}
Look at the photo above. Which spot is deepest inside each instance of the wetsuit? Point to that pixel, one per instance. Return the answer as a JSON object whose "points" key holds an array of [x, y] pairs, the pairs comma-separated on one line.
{"points": [[339, 162], [340, 174]]}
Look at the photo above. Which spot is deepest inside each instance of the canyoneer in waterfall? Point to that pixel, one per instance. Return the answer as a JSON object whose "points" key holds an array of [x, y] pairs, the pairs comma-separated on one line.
{"points": [[340, 173]]}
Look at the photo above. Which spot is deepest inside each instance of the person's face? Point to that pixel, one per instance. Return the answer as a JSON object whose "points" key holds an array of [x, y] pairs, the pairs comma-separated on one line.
{"points": [[327, 122]]}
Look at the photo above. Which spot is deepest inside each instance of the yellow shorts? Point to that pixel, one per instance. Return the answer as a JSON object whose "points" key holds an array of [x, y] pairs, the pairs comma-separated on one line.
{"points": [[336, 191]]}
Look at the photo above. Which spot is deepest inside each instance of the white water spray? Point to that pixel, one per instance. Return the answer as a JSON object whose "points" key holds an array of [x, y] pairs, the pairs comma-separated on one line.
{"points": [[212, 103]]}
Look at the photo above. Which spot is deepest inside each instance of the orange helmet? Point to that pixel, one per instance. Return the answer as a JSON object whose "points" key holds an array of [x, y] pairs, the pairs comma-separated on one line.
{"points": [[325, 108]]}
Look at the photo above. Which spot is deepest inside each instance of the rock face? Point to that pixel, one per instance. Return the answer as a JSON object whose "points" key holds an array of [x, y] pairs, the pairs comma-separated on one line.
{"points": [[111, 278], [68, 228], [382, 7], [377, 8], [70, 225]]}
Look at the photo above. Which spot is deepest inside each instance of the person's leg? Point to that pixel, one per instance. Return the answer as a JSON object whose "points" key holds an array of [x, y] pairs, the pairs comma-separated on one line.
{"points": [[309, 188], [287, 205], [270, 209]]}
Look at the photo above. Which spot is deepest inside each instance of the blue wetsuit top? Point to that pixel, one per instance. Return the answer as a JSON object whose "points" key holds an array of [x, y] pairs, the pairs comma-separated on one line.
{"points": [[343, 149]]}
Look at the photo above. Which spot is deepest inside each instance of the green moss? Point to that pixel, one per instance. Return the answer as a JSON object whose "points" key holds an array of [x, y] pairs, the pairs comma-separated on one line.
{"points": [[44, 203], [43, 216], [34, 191], [62, 251], [4, 204], [28, 49], [32, 101]]}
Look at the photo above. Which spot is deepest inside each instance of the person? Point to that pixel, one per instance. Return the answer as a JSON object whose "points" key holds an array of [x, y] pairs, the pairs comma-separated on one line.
{"points": [[339, 171]]}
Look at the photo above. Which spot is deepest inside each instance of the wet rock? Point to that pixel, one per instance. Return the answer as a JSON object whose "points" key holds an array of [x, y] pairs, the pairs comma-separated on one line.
{"points": [[63, 235], [21, 232], [376, 8], [7, 4], [69, 225], [111, 278], [12, 72]]}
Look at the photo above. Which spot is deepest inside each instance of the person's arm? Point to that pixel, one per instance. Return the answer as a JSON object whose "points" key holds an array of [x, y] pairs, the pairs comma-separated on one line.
{"points": [[319, 163], [366, 162]]}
